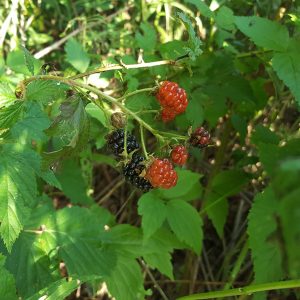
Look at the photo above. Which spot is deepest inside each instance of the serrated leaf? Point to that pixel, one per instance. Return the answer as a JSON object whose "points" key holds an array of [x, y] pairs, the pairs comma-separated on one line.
{"points": [[76, 55], [10, 114], [194, 43], [172, 49], [194, 112], [7, 282], [16, 62], [265, 250], [72, 183], [17, 193], [45, 91], [160, 261], [139, 102], [126, 274], [32, 125], [287, 67], [57, 290], [224, 184], [186, 181], [263, 32], [147, 40], [7, 96], [96, 112], [150, 205], [71, 127], [186, 223], [289, 212], [29, 60]]}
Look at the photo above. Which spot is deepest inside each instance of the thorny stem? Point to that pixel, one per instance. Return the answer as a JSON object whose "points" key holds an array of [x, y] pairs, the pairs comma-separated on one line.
{"points": [[124, 66], [247, 290], [94, 90]]}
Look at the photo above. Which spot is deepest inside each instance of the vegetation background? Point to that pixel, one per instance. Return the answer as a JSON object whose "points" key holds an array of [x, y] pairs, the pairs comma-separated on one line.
{"points": [[71, 227]]}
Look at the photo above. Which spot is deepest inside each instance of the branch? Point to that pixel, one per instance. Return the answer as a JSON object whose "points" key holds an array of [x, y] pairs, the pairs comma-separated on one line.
{"points": [[248, 290]]}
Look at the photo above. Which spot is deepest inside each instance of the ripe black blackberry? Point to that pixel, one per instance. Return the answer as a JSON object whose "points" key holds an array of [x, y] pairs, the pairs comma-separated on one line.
{"points": [[133, 169], [115, 142]]}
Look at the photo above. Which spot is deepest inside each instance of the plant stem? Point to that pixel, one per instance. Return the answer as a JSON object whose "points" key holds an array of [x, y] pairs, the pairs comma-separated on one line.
{"points": [[124, 66], [238, 265], [143, 142], [136, 92], [248, 290], [252, 53], [94, 90]]}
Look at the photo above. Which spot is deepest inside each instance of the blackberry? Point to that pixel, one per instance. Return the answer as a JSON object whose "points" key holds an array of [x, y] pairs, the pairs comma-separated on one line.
{"points": [[133, 169], [115, 142]]}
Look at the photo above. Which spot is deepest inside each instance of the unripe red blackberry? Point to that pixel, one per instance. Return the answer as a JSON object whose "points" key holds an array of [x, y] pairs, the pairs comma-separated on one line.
{"points": [[200, 138], [161, 174], [132, 171], [173, 100], [179, 155], [116, 139]]}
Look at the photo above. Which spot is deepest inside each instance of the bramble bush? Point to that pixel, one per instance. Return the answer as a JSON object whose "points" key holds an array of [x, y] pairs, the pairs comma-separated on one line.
{"points": [[150, 152]]}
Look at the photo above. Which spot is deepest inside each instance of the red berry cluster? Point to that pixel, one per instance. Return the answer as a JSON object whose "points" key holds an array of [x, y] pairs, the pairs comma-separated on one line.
{"points": [[179, 155], [161, 174], [173, 100], [200, 138]]}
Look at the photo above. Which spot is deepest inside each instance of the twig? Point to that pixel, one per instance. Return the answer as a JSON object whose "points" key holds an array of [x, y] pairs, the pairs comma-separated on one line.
{"points": [[155, 283], [247, 290]]}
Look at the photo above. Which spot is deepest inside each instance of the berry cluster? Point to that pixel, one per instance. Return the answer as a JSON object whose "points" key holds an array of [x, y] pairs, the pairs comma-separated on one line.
{"points": [[161, 174], [173, 100], [179, 155], [200, 138], [133, 170], [116, 140]]}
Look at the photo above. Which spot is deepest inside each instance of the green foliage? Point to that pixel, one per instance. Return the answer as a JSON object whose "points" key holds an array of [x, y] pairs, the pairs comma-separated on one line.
{"points": [[76, 55], [68, 220]]}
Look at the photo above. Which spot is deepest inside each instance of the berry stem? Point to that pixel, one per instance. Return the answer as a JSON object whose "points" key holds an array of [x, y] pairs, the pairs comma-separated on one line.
{"points": [[143, 142], [136, 92]]}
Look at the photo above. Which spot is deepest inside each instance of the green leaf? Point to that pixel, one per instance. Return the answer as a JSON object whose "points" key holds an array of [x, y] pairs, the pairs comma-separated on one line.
{"points": [[263, 32], [126, 281], [45, 91], [16, 61], [57, 290], [7, 282], [162, 262], [287, 67], [73, 185], [76, 55], [194, 112], [186, 181], [263, 134], [289, 212], [96, 112], [186, 223], [32, 125], [7, 96], [10, 114], [17, 193], [202, 7], [194, 43], [71, 127], [225, 184], [147, 40], [265, 249], [153, 211], [29, 60], [225, 18], [172, 49], [139, 102]]}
